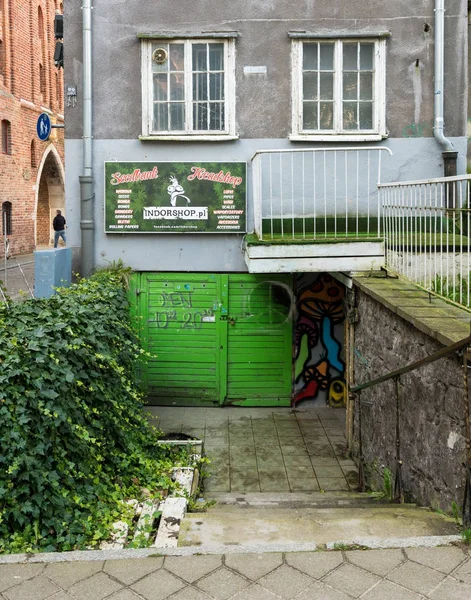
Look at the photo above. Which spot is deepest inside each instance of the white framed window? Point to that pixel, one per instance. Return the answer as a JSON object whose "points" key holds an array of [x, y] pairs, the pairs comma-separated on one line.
{"points": [[188, 89], [338, 89]]}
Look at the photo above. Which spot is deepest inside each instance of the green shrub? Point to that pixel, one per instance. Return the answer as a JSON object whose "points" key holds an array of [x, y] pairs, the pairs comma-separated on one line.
{"points": [[75, 443], [457, 292]]}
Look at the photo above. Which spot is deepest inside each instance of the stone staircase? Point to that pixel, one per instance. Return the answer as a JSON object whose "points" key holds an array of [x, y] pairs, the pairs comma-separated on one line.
{"points": [[310, 521]]}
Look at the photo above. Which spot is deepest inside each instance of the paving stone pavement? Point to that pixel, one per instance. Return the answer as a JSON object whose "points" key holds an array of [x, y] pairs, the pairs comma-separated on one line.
{"points": [[442, 573], [19, 276], [267, 449]]}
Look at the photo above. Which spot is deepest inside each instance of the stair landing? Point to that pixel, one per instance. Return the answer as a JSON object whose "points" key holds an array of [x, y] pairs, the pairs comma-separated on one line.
{"points": [[263, 450], [310, 528]]}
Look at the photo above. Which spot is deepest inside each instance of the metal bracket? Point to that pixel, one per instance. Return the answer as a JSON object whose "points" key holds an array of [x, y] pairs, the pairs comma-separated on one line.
{"points": [[398, 487], [352, 315]]}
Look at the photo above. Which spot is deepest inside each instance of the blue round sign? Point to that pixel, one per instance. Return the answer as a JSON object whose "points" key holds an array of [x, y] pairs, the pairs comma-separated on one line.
{"points": [[43, 127]]}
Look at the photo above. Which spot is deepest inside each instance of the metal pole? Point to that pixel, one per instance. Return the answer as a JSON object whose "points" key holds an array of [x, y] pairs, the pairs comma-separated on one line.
{"points": [[439, 83], [449, 154], [25, 278], [87, 223], [398, 488]]}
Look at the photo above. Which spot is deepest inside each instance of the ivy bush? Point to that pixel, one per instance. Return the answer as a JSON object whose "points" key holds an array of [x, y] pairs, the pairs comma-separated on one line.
{"points": [[75, 443]]}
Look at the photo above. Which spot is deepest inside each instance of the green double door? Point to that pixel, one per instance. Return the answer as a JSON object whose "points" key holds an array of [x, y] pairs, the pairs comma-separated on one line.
{"points": [[216, 339]]}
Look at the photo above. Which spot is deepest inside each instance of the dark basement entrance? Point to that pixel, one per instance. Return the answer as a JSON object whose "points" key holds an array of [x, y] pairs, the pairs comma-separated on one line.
{"points": [[223, 371]]}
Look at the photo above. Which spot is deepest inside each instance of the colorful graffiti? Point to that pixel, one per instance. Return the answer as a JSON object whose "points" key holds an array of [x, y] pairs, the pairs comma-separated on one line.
{"points": [[320, 368]]}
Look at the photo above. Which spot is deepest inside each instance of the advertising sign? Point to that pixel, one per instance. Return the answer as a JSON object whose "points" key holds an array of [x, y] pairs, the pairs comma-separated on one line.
{"points": [[169, 197]]}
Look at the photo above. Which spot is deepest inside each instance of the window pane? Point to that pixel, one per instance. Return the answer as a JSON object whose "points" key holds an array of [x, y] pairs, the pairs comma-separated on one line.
{"points": [[199, 57], [160, 86], [310, 86], [310, 57], [5, 215], [216, 86], [326, 86], [350, 52], [366, 115], [366, 86], [5, 137], [160, 117], [177, 56], [216, 116], [216, 57], [350, 115], [158, 67], [200, 116], [177, 117], [177, 88], [327, 115], [350, 86], [310, 115], [200, 86], [327, 57], [366, 57]]}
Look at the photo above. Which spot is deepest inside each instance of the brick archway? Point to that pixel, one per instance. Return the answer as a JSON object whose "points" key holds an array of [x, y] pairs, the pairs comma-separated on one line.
{"points": [[50, 196]]}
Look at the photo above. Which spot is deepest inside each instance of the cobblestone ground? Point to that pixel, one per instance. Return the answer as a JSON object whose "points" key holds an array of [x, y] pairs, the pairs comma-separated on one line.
{"points": [[19, 279], [410, 574]]}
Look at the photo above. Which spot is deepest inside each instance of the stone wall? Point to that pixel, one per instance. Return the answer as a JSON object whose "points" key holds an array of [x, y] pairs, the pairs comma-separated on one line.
{"points": [[431, 407]]}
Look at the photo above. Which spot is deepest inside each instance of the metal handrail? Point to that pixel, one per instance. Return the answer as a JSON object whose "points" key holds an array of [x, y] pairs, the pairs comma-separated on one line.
{"points": [[415, 365], [425, 181], [395, 375]]}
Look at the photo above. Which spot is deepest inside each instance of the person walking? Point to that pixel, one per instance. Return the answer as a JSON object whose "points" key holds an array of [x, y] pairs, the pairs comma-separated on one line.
{"points": [[59, 226]]}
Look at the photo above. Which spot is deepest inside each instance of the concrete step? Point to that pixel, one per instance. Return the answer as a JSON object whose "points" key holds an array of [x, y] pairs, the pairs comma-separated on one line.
{"points": [[269, 527], [294, 500]]}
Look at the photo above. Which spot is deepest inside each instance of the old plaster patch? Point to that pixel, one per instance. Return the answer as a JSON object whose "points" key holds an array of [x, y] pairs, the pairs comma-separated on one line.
{"points": [[452, 439]]}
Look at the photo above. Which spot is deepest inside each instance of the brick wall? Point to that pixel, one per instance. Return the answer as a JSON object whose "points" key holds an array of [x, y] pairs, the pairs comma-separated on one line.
{"points": [[25, 47]]}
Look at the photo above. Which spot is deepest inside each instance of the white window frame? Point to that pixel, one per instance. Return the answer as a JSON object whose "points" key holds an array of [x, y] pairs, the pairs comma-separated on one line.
{"points": [[229, 132], [378, 131]]}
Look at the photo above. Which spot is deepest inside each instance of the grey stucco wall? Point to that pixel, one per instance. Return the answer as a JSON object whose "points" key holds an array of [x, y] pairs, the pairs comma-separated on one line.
{"points": [[264, 102], [431, 411], [412, 158]]}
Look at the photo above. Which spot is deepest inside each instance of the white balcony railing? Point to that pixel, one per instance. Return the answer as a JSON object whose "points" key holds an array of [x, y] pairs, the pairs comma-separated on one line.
{"points": [[317, 193], [428, 232]]}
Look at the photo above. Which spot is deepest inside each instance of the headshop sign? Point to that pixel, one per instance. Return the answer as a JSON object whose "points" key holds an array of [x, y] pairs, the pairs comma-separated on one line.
{"points": [[169, 197]]}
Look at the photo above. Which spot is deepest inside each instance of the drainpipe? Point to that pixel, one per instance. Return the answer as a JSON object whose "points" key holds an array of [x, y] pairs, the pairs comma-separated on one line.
{"points": [[87, 224], [449, 154]]}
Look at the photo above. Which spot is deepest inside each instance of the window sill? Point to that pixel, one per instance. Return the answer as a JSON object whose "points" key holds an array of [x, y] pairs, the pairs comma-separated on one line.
{"points": [[367, 137], [187, 138]]}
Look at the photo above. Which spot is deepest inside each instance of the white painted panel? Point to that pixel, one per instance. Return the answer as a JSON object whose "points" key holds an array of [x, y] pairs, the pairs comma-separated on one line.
{"points": [[315, 265], [316, 250]]}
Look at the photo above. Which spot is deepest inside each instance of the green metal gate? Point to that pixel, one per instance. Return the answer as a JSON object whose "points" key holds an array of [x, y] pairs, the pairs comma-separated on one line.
{"points": [[216, 339]]}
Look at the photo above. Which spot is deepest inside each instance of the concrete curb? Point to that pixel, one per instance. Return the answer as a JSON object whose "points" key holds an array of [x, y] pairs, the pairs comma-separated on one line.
{"points": [[97, 555], [431, 541]]}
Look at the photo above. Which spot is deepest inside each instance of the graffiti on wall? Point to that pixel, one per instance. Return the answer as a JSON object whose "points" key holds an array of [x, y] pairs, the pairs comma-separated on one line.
{"points": [[417, 130], [320, 369]]}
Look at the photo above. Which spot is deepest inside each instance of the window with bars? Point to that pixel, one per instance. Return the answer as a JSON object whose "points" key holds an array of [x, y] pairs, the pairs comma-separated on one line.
{"points": [[339, 89], [189, 88]]}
